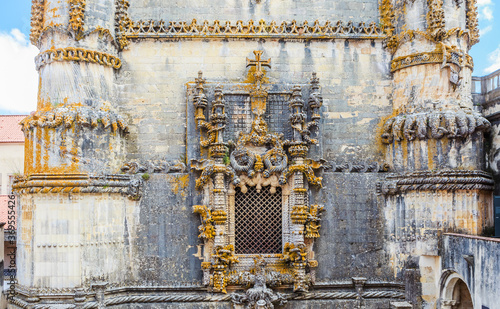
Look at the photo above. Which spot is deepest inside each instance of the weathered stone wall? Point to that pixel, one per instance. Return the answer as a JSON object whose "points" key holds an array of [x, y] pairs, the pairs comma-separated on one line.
{"points": [[352, 235], [475, 260], [65, 240], [353, 76], [268, 10], [351, 243]]}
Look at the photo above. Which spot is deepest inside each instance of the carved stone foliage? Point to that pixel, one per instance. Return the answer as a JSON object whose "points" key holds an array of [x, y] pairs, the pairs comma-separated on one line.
{"points": [[434, 124], [257, 158], [70, 115], [259, 296], [207, 229], [387, 17], [472, 23], [435, 19], [76, 16], [36, 20]]}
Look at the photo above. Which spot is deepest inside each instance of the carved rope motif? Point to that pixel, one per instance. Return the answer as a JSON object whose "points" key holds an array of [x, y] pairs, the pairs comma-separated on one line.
{"points": [[77, 54], [78, 183], [447, 180]]}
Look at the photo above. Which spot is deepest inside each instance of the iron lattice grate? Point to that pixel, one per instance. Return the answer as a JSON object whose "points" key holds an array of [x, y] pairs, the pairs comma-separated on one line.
{"points": [[258, 221]]}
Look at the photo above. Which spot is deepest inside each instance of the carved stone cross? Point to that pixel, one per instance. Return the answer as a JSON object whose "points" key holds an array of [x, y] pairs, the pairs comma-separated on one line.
{"points": [[258, 64]]}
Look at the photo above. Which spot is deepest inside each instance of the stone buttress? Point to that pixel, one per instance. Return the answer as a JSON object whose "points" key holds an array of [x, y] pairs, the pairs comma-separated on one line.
{"points": [[434, 137], [74, 203]]}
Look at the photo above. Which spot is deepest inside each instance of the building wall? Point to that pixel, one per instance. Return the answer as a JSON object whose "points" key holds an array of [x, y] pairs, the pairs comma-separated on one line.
{"points": [[474, 259], [353, 75], [113, 152], [11, 163], [268, 10]]}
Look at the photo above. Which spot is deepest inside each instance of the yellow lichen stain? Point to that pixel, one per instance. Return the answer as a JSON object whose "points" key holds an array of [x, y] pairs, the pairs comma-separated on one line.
{"points": [[251, 76], [380, 147], [39, 95], [38, 150], [46, 146], [179, 184], [431, 152], [53, 11], [28, 152]]}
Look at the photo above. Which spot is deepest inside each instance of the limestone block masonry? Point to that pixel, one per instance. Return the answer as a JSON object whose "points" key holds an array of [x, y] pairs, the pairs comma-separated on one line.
{"points": [[253, 154]]}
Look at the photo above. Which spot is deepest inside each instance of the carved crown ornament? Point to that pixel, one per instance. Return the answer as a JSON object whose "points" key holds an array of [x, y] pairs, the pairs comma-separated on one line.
{"points": [[254, 176]]}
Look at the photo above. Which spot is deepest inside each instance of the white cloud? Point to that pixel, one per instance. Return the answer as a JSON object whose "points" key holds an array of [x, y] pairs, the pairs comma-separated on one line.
{"points": [[485, 30], [494, 60], [483, 2], [485, 9], [487, 13], [18, 77]]}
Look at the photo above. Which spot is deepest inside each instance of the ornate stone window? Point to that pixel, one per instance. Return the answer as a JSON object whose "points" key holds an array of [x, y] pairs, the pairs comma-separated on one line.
{"points": [[258, 228]]}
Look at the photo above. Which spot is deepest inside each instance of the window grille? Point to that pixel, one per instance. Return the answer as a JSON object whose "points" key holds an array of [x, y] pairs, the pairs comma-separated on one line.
{"points": [[278, 114], [240, 115], [258, 221]]}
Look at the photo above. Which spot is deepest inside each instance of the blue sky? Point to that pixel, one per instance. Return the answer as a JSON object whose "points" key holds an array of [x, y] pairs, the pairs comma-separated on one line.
{"points": [[19, 80]]}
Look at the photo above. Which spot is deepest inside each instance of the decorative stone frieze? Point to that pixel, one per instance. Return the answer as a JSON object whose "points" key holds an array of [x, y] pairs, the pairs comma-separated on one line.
{"points": [[153, 166], [261, 29], [437, 56], [356, 167]]}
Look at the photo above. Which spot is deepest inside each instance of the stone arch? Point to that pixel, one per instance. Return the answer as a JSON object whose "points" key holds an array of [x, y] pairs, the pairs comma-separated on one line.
{"points": [[455, 293]]}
